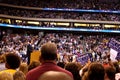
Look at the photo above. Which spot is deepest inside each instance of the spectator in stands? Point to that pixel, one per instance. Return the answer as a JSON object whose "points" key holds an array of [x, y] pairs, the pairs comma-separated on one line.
{"points": [[19, 75], [12, 62], [33, 65], [74, 69], [95, 72], [110, 73], [6, 76], [48, 59], [54, 75]]}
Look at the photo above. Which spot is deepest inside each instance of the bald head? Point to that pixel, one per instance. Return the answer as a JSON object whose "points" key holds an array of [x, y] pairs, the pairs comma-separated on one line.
{"points": [[49, 51], [54, 75]]}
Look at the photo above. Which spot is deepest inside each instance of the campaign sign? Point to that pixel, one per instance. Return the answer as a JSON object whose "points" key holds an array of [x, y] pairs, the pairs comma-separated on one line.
{"points": [[118, 56], [115, 49], [114, 44], [83, 58], [113, 54]]}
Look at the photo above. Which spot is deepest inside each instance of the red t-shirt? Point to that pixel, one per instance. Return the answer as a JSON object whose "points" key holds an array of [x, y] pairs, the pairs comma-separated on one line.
{"points": [[35, 73]]}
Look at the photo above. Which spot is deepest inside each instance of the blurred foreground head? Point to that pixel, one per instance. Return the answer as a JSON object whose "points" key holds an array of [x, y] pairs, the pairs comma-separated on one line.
{"points": [[54, 75], [19, 75], [95, 72], [12, 61]]}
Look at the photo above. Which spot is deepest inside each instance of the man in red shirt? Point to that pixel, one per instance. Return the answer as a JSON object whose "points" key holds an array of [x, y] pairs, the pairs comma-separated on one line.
{"points": [[48, 59]]}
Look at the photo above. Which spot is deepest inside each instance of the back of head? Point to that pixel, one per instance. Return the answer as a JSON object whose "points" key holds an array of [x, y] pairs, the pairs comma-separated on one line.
{"points": [[23, 67], [61, 64], [6, 76], [19, 75], [12, 61], [96, 71], [54, 75], [116, 65], [49, 51], [73, 68], [110, 72]]}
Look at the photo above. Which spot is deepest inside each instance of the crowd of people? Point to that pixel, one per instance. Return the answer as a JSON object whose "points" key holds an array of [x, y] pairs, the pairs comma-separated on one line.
{"points": [[31, 13], [59, 14], [71, 4], [63, 67], [60, 51], [67, 43]]}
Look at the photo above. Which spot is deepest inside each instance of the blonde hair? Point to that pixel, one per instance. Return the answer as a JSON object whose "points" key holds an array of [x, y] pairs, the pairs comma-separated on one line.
{"points": [[2, 58], [6, 76], [19, 75], [24, 68]]}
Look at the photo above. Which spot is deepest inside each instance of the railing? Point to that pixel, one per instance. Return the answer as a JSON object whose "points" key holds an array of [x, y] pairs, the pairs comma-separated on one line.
{"points": [[60, 20], [59, 28]]}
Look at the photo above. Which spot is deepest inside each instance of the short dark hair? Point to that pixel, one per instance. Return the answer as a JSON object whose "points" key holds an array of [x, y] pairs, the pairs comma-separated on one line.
{"points": [[61, 64], [12, 60], [49, 51]]}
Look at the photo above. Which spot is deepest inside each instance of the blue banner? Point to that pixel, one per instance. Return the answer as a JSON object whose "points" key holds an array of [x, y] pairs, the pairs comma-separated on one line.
{"points": [[81, 10], [59, 28], [83, 58], [114, 44]]}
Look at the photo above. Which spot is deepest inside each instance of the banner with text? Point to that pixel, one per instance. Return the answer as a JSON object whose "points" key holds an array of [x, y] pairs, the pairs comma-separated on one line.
{"points": [[115, 49], [83, 58]]}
